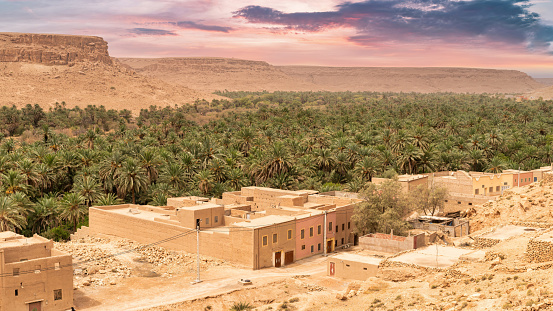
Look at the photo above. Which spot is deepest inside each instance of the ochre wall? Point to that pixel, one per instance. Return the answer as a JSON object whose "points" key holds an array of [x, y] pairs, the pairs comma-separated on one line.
{"points": [[236, 246]]}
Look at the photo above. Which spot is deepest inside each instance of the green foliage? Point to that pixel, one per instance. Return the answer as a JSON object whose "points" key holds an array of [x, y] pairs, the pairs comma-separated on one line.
{"points": [[287, 140], [57, 234], [241, 306], [383, 209]]}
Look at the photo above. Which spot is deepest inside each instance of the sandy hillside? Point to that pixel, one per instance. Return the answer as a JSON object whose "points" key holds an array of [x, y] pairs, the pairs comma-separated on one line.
{"points": [[544, 93], [424, 80], [210, 74], [44, 69]]}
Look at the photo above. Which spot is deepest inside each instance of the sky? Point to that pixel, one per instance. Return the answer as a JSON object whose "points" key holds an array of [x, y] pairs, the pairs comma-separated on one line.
{"points": [[502, 34]]}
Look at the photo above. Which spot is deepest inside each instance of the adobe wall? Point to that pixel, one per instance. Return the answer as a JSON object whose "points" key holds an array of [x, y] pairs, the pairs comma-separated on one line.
{"points": [[353, 270], [308, 241], [33, 286], [238, 244], [28, 252], [344, 234], [459, 182], [525, 179], [267, 197], [187, 217], [265, 255], [391, 243], [460, 202]]}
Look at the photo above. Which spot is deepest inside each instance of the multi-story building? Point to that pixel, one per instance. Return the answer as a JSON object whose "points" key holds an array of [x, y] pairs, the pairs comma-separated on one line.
{"points": [[255, 227], [34, 275]]}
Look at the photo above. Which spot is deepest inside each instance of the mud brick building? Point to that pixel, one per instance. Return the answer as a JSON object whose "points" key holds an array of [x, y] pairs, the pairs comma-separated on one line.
{"points": [[34, 276], [256, 227]]}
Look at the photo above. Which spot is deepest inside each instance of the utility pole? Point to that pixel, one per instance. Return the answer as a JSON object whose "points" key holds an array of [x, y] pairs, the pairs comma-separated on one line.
{"points": [[324, 237], [198, 251]]}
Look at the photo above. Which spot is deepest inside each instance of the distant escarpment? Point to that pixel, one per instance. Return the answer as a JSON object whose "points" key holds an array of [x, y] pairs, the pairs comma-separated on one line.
{"points": [[210, 74], [49, 49]]}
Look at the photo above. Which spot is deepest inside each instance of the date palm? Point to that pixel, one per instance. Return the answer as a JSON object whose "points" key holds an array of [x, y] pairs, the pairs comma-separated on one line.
{"points": [[73, 208], [89, 188], [13, 182], [11, 218], [131, 178]]}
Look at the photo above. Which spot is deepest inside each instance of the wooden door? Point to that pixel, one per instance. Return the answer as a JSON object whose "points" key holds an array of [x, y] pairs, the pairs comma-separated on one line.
{"points": [[278, 259], [288, 257], [332, 269], [35, 306], [329, 246]]}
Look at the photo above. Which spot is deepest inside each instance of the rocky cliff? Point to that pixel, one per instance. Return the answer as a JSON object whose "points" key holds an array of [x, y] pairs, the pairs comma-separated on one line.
{"points": [[51, 49]]}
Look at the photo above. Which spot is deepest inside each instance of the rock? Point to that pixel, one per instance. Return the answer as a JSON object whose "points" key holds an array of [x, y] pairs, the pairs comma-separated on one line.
{"points": [[112, 282], [341, 297], [86, 283]]}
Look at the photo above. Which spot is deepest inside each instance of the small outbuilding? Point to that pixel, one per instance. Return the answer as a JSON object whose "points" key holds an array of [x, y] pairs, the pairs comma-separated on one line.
{"points": [[352, 266]]}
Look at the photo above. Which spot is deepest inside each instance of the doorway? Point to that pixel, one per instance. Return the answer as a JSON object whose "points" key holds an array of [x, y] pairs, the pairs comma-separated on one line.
{"points": [[278, 259], [329, 246], [332, 268], [288, 257], [35, 306]]}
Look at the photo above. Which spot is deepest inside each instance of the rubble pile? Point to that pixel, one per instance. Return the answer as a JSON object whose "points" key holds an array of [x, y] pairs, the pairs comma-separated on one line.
{"points": [[539, 251]]}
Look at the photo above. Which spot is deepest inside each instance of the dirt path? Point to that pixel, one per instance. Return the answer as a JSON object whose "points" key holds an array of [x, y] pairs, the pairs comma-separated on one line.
{"points": [[138, 293]]}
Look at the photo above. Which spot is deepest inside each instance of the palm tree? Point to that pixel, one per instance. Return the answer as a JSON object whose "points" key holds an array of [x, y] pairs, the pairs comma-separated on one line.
{"points": [[44, 212], [89, 188], [205, 181], [150, 162], [107, 199], [73, 208], [131, 178], [236, 179], [174, 175], [496, 165], [13, 182], [366, 168], [10, 217]]}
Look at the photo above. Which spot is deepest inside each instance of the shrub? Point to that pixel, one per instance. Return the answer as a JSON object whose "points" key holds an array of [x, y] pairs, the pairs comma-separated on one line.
{"points": [[57, 234], [241, 306]]}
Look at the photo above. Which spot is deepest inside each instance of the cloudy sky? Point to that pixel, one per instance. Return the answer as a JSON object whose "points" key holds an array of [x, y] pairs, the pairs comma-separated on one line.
{"points": [[501, 34]]}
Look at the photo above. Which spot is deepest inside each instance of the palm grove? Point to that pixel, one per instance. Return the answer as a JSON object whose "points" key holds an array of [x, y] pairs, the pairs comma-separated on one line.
{"points": [[55, 164]]}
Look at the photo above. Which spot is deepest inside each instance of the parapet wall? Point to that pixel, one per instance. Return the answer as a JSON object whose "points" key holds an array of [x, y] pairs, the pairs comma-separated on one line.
{"points": [[539, 251], [390, 243]]}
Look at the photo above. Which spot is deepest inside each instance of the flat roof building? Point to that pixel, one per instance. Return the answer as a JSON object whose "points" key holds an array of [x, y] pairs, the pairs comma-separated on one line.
{"points": [[35, 276], [256, 227]]}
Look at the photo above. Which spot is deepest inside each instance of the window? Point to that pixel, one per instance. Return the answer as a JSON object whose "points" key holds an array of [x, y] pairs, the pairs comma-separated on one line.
{"points": [[303, 247], [216, 219], [336, 228], [302, 234], [349, 225], [342, 240], [446, 201], [458, 202], [497, 188], [535, 179], [17, 292], [335, 243], [482, 186], [505, 183], [470, 203], [57, 266], [343, 227], [515, 180], [319, 229], [15, 271], [275, 238], [491, 189], [312, 248], [364, 268], [347, 265], [330, 226], [57, 294], [289, 234], [311, 232], [207, 221], [476, 191], [319, 247], [265, 240]]}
